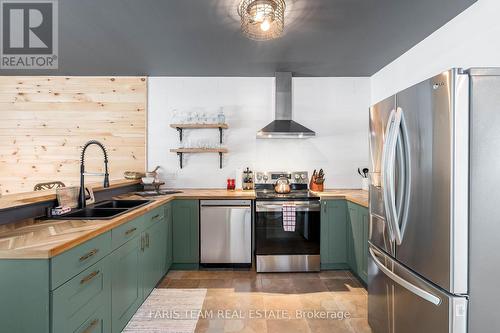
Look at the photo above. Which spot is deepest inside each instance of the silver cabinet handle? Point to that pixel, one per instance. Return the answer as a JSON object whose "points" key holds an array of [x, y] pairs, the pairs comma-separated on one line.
{"points": [[142, 243], [88, 255], [129, 231], [89, 277], [405, 284], [155, 217], [147, 240]]}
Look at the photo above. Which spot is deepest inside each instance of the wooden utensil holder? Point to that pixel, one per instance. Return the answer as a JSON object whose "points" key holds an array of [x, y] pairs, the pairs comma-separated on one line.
{"points": [[316, 187]]}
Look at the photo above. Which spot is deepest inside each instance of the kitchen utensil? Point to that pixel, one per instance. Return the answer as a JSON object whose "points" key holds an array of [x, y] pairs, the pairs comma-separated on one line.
{"points": [[317, 181], [282, 185], [360, 173], [365, 172]]}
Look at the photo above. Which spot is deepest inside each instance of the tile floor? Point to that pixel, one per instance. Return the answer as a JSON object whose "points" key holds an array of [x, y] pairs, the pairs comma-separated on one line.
{"points": [[245, 301]]}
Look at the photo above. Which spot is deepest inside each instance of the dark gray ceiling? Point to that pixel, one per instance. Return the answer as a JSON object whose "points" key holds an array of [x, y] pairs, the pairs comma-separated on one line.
{"points": [[202, 37]]}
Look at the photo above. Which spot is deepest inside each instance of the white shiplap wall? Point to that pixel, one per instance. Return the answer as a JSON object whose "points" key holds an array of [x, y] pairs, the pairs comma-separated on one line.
{"points": [[336, 108]]}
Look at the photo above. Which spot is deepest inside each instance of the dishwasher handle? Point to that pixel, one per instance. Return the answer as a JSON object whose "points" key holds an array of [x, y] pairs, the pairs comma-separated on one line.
{"points": [[226, 203]]}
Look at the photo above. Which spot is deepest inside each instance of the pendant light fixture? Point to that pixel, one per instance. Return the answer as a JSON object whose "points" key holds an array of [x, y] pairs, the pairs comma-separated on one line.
{"points": [[262, 19]]}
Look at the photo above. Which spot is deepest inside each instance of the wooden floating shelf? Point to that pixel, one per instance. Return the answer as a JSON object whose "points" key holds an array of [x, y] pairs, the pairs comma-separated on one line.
{"points": [[223, 126], [199, 150], [181, 151], [181, 127]]}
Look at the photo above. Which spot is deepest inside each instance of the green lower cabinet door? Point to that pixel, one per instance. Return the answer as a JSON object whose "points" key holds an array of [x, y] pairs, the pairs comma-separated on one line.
{"points": [[365, 221], [153, 257], [24, 295], [354, 240], [126, 290], [185, 231], [168, 236], [333, 234], [358, 240], [83, 304]]}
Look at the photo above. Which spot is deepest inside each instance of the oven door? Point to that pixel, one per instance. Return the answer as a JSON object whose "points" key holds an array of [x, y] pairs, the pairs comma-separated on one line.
{"points": [[271, 237]]}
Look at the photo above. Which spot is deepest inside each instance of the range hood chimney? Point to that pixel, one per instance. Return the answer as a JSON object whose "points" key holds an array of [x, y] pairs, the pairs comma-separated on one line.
{"points": [[283, 127]]}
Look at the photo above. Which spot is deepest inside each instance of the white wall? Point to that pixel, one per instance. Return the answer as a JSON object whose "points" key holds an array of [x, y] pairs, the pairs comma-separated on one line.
{"points": [[336, 108], [471, 39]]}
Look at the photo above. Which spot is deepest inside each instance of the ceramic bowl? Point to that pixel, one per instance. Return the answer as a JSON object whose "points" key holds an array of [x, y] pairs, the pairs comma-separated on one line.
{"points": [[148, 180]]}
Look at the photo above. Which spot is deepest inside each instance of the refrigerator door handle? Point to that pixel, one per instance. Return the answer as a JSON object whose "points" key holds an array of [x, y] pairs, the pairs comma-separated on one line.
{"points": [[405, 284], [407, 179], [389, 177], [384, 178], [401, 148]]}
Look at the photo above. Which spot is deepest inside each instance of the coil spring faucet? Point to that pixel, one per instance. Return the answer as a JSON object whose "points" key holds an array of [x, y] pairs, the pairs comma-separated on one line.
{"points": [[82, 203]]}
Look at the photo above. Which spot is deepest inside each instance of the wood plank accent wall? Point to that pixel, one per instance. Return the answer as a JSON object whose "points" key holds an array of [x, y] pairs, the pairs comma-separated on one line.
{"points": [[44, 122]]}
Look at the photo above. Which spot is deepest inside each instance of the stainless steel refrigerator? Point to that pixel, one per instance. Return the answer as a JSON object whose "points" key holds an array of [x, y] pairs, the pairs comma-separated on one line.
{"points": [[433, 260]]}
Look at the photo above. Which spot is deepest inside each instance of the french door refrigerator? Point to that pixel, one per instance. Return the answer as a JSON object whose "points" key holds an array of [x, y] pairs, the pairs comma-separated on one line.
{"points": [[433, 149]]}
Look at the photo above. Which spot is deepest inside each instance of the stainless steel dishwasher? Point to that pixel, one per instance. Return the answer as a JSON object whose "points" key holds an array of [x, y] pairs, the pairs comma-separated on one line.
{"points": [[226, 232]]}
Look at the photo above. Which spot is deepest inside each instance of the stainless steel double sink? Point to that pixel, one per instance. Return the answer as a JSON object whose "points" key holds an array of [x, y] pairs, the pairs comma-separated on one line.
{"points": [[104, 210]]}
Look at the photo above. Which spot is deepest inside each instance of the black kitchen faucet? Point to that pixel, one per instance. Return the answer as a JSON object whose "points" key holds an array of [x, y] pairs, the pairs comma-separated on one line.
{"points": [[83, 173]]}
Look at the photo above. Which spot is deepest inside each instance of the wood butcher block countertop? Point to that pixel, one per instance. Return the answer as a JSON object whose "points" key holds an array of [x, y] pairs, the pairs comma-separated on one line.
{"points": [[22, 199], [359, 197], [43, 239]]}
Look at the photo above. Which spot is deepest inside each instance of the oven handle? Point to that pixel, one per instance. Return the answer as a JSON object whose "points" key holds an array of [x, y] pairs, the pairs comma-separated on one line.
{"points": [[299, 207]]}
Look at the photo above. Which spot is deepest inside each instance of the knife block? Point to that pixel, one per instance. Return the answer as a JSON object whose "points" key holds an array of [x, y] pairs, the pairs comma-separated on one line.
{"points": [[316, 187]]}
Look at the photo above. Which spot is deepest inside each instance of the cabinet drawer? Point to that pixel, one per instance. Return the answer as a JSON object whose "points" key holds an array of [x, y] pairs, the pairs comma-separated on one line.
{"points": [[150, 218], [98, 322], [72, 262], [126, 232], [74, 304]]}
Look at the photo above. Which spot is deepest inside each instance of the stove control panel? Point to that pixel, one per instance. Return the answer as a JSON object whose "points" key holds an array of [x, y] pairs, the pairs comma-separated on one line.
{"points": [[295, 177]]}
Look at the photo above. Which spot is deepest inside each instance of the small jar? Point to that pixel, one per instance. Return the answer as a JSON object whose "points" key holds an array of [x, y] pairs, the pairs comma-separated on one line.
{"points": [[221, 118]]}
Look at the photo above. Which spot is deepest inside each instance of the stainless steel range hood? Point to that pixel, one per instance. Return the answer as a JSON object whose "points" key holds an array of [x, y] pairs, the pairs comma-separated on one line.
{"points": [[283, 127]]}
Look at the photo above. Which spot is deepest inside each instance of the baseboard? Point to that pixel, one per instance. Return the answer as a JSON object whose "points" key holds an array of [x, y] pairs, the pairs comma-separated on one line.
{"points": [[336, 266], [184, 267]]}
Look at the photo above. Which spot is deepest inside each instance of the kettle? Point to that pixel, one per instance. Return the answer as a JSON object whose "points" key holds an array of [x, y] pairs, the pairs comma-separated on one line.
{"points": [[282, 185]]}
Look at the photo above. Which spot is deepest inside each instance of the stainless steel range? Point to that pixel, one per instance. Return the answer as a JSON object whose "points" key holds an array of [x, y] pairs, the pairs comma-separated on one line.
{"points": [[287, 225]]}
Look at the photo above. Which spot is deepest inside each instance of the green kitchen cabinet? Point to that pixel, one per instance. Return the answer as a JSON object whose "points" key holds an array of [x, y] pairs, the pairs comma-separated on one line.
{"points": [[83, 304], [24, 295], [153, 256], [96, 286], [126, 284], [358, 240], [333, 234], [168, 238], [364, 216], [185, 230]]}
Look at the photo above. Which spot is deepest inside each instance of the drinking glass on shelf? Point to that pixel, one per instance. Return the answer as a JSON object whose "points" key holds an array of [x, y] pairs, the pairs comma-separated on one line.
{"points": [[203, 118], [175, 116], [196, 117], [214, 118], [221, 117], [189, 118]]}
